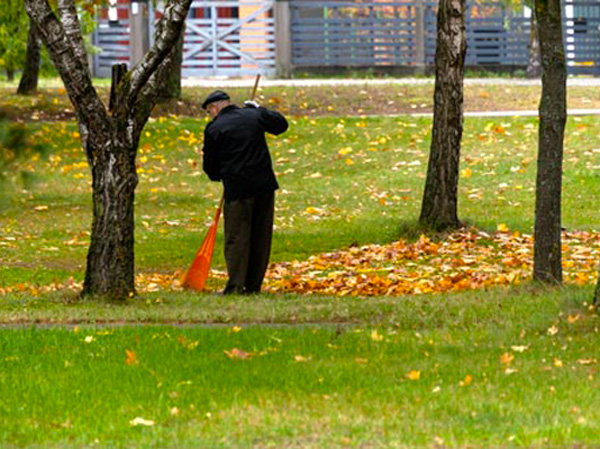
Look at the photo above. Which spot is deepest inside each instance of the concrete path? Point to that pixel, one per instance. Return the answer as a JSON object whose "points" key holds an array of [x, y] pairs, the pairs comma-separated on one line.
{"points": [[249, 81], [483, 114]]}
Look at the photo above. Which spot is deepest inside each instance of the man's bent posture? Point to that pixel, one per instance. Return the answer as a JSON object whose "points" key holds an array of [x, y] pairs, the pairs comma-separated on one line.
{"points": [[236, 152]]}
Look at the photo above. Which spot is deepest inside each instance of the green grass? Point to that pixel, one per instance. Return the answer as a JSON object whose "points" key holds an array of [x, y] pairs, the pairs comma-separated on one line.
{"points": [[343, 181], [308, 101], [323, 372], [315, 386]]}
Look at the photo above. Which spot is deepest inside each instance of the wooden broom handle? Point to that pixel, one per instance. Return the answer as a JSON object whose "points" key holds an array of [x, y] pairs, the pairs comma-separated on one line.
{"points": [[255, 87]]}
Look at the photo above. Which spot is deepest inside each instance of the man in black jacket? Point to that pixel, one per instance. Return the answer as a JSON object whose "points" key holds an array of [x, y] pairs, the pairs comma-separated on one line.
{"points": [[236, 153]]}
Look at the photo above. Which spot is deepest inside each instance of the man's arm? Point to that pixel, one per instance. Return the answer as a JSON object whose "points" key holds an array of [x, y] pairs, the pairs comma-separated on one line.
{"points": [[210, 160], [273, 122]]}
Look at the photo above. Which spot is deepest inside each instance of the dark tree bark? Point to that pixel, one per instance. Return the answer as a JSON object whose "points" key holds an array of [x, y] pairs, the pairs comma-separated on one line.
{"points": [[110, 140], [29, 79], [534, 65], [553, 115], [169, 86], [10, 74], [439, 206]]}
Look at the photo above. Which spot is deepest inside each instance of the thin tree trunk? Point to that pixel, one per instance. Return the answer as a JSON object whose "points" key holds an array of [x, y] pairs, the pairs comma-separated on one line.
{"points": [[439, 206], [553, 115], [29, 79], [10, 74], [534, 65]]}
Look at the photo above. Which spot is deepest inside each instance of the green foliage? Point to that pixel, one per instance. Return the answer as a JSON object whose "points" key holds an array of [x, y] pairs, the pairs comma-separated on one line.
{"points": [[14, 25]]}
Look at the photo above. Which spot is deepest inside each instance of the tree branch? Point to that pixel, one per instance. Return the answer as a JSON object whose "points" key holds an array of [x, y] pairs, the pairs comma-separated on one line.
{"points": [[168, 31], [72, 27], [75, 77]]}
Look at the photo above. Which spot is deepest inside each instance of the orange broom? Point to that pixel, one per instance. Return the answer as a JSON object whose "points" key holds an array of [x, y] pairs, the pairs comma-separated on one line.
{"points": [[197, 274]]}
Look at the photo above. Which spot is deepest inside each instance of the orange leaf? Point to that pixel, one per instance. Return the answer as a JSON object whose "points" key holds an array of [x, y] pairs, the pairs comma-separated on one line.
{"points": [[236, 353], [130, 358]]}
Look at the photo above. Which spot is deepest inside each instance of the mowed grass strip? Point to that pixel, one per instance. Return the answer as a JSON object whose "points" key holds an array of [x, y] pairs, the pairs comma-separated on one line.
{"points": [[491, 370], [344, 181], [327, 100]]}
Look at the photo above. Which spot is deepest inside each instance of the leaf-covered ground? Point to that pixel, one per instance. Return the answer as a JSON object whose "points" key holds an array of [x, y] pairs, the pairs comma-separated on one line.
{"points": [[468, 259]]}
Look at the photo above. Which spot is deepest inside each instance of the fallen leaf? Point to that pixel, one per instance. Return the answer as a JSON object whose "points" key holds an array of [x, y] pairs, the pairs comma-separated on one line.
{"points": [[507, 358], [519, 348], [414, 375], [130, 357], [141, 422], [586, 361], [236, 353], [558, 363], [375, 336], [467, 381]]}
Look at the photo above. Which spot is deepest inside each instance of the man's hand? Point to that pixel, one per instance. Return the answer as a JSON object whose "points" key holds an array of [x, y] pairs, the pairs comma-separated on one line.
{"points": [[251, 104]]}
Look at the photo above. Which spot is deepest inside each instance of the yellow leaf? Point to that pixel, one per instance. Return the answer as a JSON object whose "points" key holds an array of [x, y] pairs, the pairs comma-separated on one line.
{"points": [[414, 375], [345, 151], [375, 336], [502, 228], [187, 344], [313, 211], [236, 329], [302, 359], [466, 173], [573, 318], [349, 161], [558, 363], [507, 358], [552, 330]]}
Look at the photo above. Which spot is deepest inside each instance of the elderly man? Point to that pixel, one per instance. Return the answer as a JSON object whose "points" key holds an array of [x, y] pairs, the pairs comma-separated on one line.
{"points": [[236, 153]]}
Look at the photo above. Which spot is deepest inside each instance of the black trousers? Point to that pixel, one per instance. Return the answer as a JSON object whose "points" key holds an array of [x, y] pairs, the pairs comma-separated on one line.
{"points": [[248, 235]]}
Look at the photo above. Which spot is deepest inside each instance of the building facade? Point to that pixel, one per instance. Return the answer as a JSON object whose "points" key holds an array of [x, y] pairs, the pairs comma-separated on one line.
{"points": [[277, 37]]}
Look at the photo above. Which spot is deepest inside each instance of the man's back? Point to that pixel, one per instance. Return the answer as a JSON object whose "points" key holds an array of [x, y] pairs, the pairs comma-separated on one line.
{"points": [[235, 150]]}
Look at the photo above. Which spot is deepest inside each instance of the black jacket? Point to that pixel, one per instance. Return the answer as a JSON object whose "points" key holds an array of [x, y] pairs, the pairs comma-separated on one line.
{"points": [[235, 150]]}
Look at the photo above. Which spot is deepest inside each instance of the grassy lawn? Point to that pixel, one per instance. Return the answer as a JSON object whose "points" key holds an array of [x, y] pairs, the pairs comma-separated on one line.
{"points": [[53, 104], [494, 367], [344, 181]]}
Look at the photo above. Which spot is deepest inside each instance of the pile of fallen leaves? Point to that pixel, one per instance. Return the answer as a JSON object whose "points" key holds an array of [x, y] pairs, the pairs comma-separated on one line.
{"points": [[467, 259]]}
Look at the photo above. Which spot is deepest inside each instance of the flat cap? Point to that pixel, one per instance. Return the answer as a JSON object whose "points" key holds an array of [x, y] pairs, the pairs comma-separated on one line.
{"points": [[217, 95]]}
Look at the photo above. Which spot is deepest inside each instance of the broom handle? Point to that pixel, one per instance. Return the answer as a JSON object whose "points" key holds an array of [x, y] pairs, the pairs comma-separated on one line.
{"points": [[255, 87]]}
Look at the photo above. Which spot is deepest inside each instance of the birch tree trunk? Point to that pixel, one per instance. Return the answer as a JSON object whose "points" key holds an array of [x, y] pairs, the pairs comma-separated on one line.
{"points": [[553, 115], [29, 79], [439, 206], [110, 138]]}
